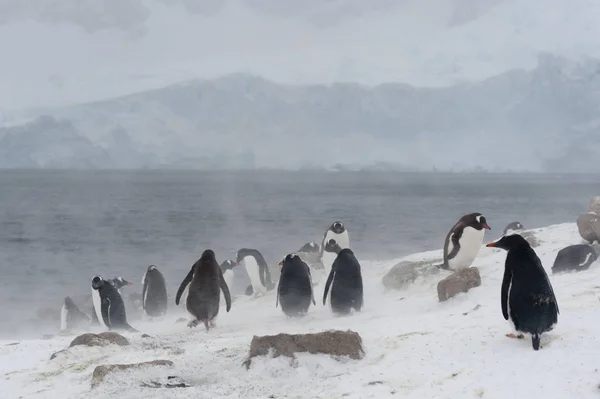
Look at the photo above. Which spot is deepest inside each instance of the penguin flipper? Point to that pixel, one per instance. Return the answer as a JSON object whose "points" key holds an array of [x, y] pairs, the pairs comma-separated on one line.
{"points": [[184, 284], [225, 290], [504, 292], [328, 283], [312, 291]]}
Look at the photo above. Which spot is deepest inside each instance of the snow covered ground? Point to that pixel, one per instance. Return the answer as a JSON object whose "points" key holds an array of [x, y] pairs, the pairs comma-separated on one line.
{"points": [[415, 346]]}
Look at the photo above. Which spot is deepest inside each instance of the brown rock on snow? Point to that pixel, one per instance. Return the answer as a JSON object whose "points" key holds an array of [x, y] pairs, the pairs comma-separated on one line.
{"points": [[334, 343], [100, 372], [102, 339], [461, 280]]}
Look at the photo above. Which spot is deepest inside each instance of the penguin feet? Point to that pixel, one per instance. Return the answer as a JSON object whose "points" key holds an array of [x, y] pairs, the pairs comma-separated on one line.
{"points": [[193, 323], [519, 336]]}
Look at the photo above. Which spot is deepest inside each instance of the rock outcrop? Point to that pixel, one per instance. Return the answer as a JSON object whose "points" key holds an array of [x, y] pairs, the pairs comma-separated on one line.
{"points": [[101, 372], [102, 339], [406, 272], [461, 280], [334, 343], [588, 225]]}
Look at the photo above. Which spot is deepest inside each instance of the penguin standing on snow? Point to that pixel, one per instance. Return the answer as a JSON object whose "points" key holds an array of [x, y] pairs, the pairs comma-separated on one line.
{"points": [[205, 280], [463, 241], [71, 316], [526, 295], [154, 293], [258, 271], [118, 283], [294, 290], [227, 270], [345, 280], [109, 305], [337, 232], [577, 257]]}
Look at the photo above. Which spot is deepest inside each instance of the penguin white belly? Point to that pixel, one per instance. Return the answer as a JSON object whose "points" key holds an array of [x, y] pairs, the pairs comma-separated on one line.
{"points": [[470, 244], [184, 295], [327, 260], [63, 317], [253, 272], [228, 277], [98, 306]]}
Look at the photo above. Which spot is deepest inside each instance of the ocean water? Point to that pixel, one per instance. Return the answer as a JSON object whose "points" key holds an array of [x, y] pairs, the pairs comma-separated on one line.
{"points": [[60, 228]]}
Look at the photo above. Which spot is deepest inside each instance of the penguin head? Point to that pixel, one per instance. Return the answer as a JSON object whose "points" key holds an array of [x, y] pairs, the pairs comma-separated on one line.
{"points": [[337, 227], [208, 255], [289, 259], [228, 265], [119, 282], [512, 226], [477, 221], [331, 246], [152, 268], [97, 282], [509, 242], [69, 304]]}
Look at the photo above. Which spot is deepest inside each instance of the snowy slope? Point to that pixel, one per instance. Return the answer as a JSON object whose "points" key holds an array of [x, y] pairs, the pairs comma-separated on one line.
{"points": [[106, 48], [415, 346]]}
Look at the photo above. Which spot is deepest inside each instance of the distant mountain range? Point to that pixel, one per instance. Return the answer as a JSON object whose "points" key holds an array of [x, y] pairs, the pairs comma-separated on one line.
{"points": [[545, 119]]}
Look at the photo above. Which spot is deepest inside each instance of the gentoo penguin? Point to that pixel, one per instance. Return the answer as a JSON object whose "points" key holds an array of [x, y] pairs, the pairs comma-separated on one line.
{"points": [[227, 271], [512, 228], [119, 283], [336, 232], [294, 290], [109, 305], [154, 293], [526, 295], [71, 316], [258, 270], [574, 258], [345, 280], [205, 279], [463, 241]]}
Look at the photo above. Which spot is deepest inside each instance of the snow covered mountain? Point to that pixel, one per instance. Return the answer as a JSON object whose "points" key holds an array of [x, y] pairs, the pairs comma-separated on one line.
{"points": [[87, 50], [544, 119]]}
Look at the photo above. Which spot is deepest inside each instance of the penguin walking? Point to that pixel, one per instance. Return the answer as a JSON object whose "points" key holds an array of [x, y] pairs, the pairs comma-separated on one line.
{"points": [[463, 241], [526, 295], [345, 279], [154, 293], [294, 290], [204, 279], [109, 305], [577, 257], [258, 271], [337, 232], [71, 316]]}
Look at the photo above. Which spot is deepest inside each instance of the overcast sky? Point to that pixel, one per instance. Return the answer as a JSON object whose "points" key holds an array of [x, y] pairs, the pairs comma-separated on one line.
{"points": [[65, 51]]}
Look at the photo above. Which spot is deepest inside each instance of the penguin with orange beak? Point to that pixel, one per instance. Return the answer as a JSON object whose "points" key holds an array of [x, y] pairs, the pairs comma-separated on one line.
{"points": [[526, 295]]}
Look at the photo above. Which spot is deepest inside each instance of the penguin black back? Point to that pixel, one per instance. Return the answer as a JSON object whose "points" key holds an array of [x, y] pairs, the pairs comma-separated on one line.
{"points": [[577, 257], [205, 279], [345, 280], [526, 294], [294, 290], [112, 307], [154, 292]]}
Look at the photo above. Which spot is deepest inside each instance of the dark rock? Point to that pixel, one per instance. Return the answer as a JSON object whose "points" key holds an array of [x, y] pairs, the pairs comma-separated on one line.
{"points": [[334, 343], [102, 339], [100, 372], [461, 280], [406, 272], [146, 336]]}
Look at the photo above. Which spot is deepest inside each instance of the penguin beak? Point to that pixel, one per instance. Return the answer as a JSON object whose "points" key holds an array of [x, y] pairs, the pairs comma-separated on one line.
{"points": [[128, 283], [491, 244], [281, 263], [485, 226]]}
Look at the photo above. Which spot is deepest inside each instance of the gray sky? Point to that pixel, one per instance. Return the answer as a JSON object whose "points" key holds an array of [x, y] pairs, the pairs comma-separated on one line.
{"points": [[64, 51]]}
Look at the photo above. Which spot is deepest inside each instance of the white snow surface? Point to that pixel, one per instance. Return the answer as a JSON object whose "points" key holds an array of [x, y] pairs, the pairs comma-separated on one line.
{"points": [[415, 346]]}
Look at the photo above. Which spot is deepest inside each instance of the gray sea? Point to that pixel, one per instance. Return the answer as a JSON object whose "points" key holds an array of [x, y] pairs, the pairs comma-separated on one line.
{"points": [[60, 228]]}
